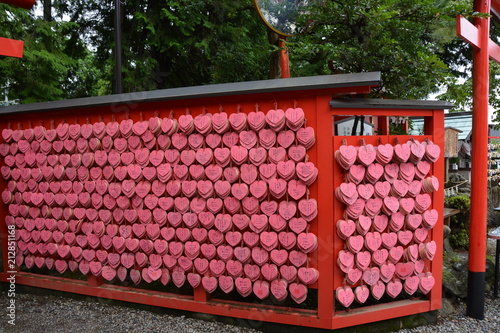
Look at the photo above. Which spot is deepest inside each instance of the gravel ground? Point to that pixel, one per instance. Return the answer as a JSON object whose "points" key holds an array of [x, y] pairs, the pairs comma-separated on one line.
{"points": [[458, 322], [53, 314]]}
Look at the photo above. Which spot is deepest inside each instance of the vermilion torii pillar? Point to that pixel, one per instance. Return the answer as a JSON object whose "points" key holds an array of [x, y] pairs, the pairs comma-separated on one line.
{"points": [[11, 47], [477, 35]]}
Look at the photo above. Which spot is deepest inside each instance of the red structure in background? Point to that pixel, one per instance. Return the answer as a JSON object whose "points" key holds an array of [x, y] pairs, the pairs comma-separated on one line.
{"points": [[12, 47], [495, 8], [26, 4], [477, 35], [284, 59]]}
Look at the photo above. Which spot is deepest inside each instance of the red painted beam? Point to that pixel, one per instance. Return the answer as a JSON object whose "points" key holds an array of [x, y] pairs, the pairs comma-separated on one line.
{"points": [[494, 51], [11, 47], [26, 4], [495, 9], [469, 32]]}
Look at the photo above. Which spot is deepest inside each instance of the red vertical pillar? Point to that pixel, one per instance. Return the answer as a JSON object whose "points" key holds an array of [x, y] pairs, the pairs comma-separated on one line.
{"points": [[479, 177], [383, 125], [284, 58]]}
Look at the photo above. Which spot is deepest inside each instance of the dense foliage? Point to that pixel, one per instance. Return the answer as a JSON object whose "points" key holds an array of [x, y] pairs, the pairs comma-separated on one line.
{"points": [[459, 237], [193, 42]]}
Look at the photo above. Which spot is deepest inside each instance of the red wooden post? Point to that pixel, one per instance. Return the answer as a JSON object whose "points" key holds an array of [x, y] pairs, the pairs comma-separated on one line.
{"points": [[383, 125], [284, 59], [326, 234], [200, 295], [94, 281], [435, 126], [484, 48], [479, 177]]}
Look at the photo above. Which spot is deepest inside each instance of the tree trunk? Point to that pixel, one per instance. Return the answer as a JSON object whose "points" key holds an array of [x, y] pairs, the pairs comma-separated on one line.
{"points": [[47, 10], [274, 64]]}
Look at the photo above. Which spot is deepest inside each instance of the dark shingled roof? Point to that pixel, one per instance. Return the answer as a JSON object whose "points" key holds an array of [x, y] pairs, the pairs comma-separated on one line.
{"points": [[368, 79]]}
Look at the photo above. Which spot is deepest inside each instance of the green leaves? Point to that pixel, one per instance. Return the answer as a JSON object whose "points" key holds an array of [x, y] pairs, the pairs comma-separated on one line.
{"points": [[42, 73], [174, 43], [394, 37]]}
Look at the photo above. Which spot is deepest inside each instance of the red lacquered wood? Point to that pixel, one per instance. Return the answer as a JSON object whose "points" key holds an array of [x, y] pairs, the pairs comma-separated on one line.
{"points": [[479, 158], [434, 131], [11, 47], [325, 198], [320, 117], [284, 58], [26, 4], [94, 281]]}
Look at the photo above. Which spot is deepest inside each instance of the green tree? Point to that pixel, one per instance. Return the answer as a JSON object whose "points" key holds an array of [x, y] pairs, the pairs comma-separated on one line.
{"points": [[175, 43], [412, 42], [458, 88], [52, 55], [403, 39], [179, 43]]}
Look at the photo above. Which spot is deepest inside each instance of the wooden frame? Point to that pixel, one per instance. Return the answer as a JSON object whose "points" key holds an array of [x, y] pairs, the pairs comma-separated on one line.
{"points": [[319, 114]]}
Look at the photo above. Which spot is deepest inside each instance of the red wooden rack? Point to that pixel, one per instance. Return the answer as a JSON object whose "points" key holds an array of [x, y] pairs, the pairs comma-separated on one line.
{"points": [[317, 96]]}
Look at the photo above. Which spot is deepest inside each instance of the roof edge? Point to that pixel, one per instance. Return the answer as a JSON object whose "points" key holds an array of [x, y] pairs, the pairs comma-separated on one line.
{"points": [[371, 103], [365, 79]]}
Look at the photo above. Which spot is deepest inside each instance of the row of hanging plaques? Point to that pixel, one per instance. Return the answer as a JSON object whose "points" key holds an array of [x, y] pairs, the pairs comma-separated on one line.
{"points": [[388, 216], [219, 200]]}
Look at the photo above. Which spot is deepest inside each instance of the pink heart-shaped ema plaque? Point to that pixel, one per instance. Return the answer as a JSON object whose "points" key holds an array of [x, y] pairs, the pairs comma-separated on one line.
{"points": [[217, 267], [308, 275], [242, 254], [275, 118], [427, 282], [276, 154], [238, 121], [298, 292], [394, 288], [430, 217], [277, 222], [287, 209], [261, 289], [361, 294], [201, 265], [432, 152], [279, 289], [365, 191], [243, 286], [248, 139], [256, 120], [307, 242], [267, 138], [404, 237], [297, 153], [257, 155], [366, 154], [344, 295], [178, 277], [402, 152], [344, 228], [286, 138], [385, 152], [378, 290]]}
